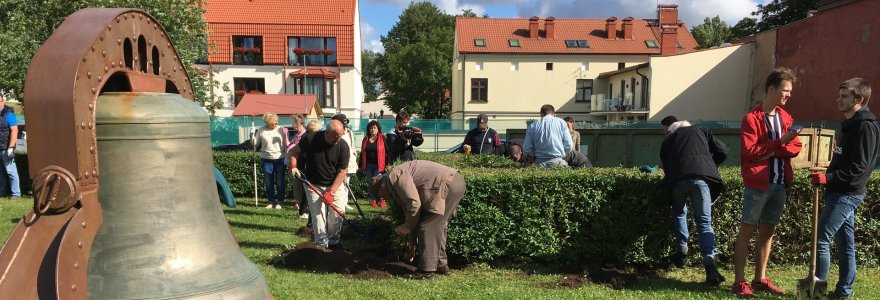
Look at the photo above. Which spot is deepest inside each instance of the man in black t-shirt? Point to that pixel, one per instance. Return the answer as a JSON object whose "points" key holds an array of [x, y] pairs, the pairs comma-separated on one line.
{"points": [[325, 160]]}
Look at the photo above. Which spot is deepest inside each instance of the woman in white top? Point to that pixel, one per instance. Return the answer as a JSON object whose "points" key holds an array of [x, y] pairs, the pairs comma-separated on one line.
{"points": [[272, 141]]}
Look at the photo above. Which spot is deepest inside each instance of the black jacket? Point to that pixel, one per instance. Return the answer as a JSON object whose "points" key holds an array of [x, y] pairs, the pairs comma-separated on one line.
{"points": [[691, 152], [855, 154], [401, 148]]}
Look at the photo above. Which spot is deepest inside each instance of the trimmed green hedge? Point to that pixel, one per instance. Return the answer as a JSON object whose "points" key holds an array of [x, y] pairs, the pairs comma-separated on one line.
{"points": [[603, 215], [616, 216]]}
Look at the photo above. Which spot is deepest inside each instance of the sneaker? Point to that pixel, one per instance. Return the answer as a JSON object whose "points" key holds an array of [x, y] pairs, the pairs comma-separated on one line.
{"points": [[742, 289], [304, 216], [444, 270], [278, 206], [420, 275], [270, 205], [713, 277], [767, 286], [374, 204], [348, 207], [383, 204], [680, 257], [834, 296]]}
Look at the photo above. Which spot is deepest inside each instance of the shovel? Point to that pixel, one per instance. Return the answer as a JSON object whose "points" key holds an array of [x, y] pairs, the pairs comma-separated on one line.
{"points": [[811, 287], [363, 235]]}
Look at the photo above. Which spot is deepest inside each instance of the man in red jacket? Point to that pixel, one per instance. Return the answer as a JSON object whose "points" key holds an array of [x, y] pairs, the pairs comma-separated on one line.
{"points": [[768, 144]]}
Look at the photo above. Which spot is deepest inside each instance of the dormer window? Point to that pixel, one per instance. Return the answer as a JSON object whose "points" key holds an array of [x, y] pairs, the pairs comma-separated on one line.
{"points": [[513, 42], [480, 42], [651, 43]]}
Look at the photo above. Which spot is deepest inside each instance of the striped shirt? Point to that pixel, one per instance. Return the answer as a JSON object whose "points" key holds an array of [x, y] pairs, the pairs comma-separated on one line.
{"points": [[774, 132]]}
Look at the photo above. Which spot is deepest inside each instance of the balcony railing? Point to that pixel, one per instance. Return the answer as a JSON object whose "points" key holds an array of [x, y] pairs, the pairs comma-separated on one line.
{"points": [[602, 104]]}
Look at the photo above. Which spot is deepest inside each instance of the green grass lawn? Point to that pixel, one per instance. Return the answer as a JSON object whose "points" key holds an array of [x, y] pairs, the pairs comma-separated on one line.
{"points": [[264, 233]]}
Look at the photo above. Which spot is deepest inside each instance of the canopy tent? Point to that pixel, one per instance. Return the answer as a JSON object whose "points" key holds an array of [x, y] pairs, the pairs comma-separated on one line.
{"points": [[259, 104]]}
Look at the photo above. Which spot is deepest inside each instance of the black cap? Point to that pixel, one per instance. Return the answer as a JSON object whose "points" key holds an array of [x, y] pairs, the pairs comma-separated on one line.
{"points": [[341, 117], [668, 120], [482, 121]]}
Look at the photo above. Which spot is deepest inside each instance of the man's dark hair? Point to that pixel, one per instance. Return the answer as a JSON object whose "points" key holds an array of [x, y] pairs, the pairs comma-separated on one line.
{"points": [[547, 109], [568, 120], [668, 120], [402, 115], [778, 76], [859, 88]]}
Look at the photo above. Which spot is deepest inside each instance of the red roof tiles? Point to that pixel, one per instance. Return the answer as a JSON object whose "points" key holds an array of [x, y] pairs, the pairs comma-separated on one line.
{"points": [[275, 21], [258, 104], [497, 32]]}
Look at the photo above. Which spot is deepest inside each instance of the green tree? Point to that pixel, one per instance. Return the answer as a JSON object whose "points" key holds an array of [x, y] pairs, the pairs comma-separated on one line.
{"points": [[780, 12], [712, 32], [26, 24], [416, 72], [370, 74], [746, 27]]}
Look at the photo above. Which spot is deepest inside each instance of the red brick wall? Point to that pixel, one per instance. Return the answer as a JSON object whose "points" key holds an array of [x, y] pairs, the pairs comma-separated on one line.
{"points": [[827, 49]]}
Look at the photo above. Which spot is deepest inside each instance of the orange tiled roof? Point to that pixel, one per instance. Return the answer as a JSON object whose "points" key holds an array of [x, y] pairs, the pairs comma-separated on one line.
{"points": [[304, 12], [497, 32], [275, 21]]}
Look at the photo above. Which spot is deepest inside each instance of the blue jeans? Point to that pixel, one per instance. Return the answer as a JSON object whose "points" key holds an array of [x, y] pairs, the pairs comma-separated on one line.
{"points": [[372, 171], [698, 191], [11, 174], [838, 221], [273, 177]]}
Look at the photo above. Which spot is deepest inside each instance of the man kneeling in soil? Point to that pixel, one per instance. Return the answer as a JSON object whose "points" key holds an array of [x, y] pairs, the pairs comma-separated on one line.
{"points": [[690, 157], [429, 193]]}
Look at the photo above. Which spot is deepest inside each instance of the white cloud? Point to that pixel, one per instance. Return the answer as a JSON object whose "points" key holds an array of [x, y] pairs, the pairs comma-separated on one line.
{"points": [[369, 38], [692, 12], [455, 7]]}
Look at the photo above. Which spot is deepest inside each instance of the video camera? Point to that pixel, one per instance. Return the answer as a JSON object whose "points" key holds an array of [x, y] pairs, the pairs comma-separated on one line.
{"points": [[407, 132]]}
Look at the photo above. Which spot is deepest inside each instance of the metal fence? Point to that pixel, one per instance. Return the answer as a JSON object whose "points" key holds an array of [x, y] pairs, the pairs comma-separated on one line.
{"points": [[439, 134]]}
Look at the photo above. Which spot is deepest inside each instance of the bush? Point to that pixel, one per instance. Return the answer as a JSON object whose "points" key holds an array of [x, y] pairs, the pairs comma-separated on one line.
{"points": [[603, 215]]}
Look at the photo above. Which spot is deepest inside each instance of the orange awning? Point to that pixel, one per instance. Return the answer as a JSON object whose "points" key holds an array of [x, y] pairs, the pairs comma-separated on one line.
{"points": [[259, 104], [315, 73]]}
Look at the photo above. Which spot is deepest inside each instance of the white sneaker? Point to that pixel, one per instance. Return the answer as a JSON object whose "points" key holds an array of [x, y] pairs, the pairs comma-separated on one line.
{"points": [[269, 205], [348, 207], [278, 206], [304, 216]]}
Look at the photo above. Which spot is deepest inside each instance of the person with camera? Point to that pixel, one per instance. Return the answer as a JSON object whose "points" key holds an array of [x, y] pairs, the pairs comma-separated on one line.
{"points": [[402, 138]]}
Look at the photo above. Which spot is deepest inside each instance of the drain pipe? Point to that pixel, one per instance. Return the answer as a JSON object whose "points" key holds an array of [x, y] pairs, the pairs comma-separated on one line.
{"points": [[645, 91]]}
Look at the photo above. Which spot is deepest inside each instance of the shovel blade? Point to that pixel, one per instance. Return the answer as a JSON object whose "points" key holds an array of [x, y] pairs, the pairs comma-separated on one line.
{"points": [[812, 289]]}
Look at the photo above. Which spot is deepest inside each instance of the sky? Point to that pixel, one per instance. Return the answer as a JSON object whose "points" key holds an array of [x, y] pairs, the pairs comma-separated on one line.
{"points": [[378, 16]]}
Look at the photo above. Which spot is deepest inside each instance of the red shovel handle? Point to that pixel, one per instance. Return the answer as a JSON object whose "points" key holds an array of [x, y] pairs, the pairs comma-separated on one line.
{"points": [[320, 195]]}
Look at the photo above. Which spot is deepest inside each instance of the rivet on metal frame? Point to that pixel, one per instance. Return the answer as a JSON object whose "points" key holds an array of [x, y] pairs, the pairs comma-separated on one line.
{"points": [[104, 53], [89, 74], [73, 287], [84, 222], [109, 27], [119, 41], [76, 266]]}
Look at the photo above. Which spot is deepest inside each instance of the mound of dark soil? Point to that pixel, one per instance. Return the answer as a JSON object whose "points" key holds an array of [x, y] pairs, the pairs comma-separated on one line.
{"points": [[613, 278], [372, 258]]}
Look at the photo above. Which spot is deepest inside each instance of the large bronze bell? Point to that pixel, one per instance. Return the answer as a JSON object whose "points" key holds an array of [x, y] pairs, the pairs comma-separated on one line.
{"points": [[164, 234], [125, 205]]}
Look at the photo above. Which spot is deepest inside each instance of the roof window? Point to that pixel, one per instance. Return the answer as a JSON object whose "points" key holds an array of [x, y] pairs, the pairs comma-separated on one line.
{"points": [[513, 42], [651, 43], [577, 44], [480, 42]]}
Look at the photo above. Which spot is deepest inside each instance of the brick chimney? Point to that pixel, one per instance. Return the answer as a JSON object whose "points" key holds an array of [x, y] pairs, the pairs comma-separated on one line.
{"points": [[550, 28], [533, 27], [611, 28], [669, 24], [628, 28]]}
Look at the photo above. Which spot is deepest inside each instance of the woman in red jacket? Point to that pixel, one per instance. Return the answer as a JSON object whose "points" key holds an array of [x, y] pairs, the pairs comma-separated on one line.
{"points": [[373, 156]]}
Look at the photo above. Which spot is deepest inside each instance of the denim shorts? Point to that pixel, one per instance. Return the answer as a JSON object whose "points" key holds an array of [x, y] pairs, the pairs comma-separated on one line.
{"points": [[763, 207]]}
